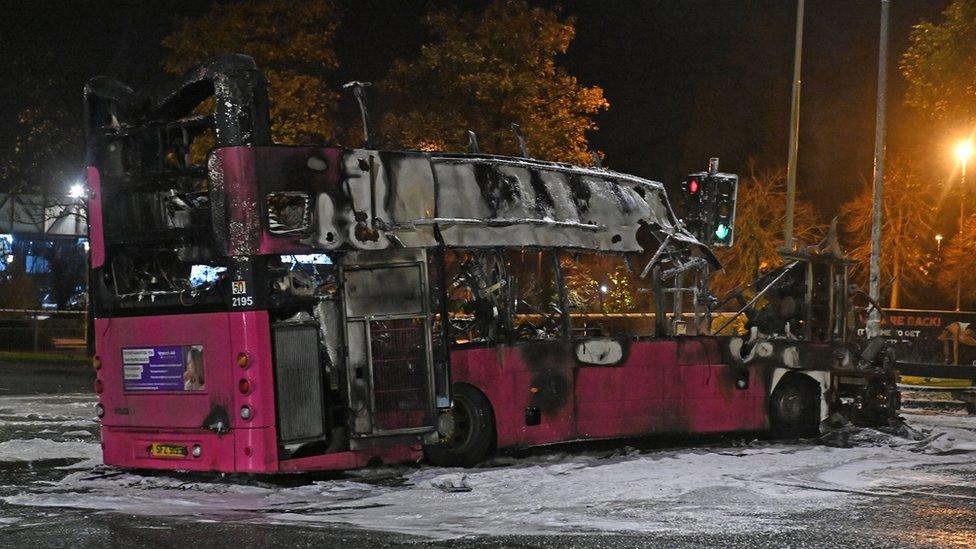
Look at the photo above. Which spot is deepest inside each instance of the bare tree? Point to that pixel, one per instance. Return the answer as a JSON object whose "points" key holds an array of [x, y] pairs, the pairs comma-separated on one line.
{"points": [[909, 209], [959, 265], [760, 213]]}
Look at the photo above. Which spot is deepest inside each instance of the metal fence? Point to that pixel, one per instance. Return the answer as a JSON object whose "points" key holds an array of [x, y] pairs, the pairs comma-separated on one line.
{"points": [[43, 330]]}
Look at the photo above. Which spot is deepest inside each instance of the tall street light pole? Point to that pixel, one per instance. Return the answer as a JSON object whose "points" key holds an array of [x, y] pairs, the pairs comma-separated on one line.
{"points": [[874, 318], [794, 129], [964, 150]]}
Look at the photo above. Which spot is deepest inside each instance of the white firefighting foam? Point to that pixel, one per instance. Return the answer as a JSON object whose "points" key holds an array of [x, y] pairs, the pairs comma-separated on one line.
{"points": [[754, 486]]}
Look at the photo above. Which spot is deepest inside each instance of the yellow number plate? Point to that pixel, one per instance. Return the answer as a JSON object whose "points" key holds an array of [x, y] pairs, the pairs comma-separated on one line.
{"points": [[167, 451]]}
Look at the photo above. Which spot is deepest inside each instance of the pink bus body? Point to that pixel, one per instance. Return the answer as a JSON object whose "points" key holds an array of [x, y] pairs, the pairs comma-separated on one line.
{"points": [[662, 387], [454, 313]]}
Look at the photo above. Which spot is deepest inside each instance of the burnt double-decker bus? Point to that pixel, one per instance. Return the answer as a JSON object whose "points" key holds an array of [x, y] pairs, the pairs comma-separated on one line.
{"points": [[263, 308]]}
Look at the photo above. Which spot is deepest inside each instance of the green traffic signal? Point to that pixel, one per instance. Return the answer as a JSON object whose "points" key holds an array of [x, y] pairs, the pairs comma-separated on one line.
{"points": [[722, 231]]}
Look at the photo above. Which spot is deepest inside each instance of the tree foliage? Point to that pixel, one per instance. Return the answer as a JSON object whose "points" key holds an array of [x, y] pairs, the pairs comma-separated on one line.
{"points": [[940, 65], [291, 41], [959, 264], [486, 70], [48, 146], [759, 219], [599, 284], [47, 151], [909, 208]]}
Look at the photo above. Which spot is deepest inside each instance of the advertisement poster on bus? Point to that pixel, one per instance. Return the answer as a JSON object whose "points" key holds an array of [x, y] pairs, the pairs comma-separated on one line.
{"points": [[163, 368]]}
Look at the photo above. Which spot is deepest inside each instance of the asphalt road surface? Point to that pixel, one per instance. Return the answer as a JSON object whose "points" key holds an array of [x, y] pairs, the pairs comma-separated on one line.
{"points": [[913, 488]]}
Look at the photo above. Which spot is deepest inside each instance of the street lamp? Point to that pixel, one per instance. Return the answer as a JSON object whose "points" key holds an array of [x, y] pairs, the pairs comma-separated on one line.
{"points": [[76, 191], [963, 152]]}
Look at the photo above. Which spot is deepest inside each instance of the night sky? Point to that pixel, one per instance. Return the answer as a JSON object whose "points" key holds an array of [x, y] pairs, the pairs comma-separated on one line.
{"points": [[686, 79]]}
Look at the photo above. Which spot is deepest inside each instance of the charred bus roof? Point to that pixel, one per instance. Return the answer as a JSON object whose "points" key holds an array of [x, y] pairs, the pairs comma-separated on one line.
{"points": [[375, 199], [271, 199]]}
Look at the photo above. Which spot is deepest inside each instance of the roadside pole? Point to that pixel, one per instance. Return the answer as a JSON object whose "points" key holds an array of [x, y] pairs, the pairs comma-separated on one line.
{"points": [[962, 223], [874, 318], [794, 129]]}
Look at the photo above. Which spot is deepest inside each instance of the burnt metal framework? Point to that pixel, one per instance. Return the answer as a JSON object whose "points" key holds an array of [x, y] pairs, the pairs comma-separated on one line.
{"points": [[161, 211], [386, 200], [170, 211]]}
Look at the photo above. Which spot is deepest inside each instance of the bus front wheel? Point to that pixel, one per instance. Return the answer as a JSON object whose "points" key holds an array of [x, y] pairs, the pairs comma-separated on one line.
{"points": [[472, 435], [794, 408]]}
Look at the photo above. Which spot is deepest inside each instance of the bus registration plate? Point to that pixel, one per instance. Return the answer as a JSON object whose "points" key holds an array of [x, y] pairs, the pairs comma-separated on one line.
{"points": [[167, 450]]}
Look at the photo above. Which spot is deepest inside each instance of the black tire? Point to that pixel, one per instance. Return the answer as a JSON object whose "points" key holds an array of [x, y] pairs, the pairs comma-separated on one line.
{"points": [[474, 431], [794, 407]]}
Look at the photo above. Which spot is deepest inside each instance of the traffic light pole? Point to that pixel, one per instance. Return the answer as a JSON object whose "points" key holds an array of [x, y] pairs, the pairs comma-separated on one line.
{"points": [[874, 318], [794, 129]]}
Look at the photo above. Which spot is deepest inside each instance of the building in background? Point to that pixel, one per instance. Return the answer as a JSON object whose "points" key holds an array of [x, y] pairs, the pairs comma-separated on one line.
{"points": [[43, 251]]}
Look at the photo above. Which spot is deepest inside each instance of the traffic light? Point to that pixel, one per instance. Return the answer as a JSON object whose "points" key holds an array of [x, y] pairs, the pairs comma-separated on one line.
{"points": [[723, 225], [692, 187], [710, 205]]}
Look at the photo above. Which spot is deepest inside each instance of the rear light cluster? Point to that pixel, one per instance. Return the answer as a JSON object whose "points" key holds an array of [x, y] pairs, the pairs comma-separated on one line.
{"points": [[244, 385], [97, 365], [96, 362]]}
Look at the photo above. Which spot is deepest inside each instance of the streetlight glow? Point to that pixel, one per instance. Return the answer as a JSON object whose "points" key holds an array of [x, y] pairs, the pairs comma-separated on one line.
{"points": [[964, 150], [76, 191]]}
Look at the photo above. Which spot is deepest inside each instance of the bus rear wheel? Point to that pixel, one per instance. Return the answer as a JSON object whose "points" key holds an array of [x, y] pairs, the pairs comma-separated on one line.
{"points": [[794, 408], [472, 436]]}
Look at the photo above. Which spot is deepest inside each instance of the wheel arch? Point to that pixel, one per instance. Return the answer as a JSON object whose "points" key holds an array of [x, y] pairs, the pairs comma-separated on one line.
{"points": [[814, 379]]}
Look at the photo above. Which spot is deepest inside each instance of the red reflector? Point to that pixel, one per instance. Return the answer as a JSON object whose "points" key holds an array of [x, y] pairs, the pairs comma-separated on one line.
{"points": [[99, 387], [693, 186], [244, 386]]}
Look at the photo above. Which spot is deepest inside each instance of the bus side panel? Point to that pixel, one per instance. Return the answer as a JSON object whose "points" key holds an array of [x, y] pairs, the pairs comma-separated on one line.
{"points": [[521, 380], [666, 386], [624, 398], [662, 386], [701, 396]]}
